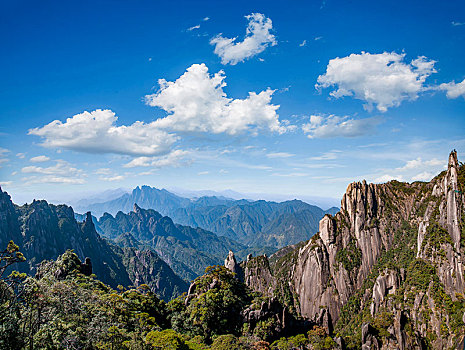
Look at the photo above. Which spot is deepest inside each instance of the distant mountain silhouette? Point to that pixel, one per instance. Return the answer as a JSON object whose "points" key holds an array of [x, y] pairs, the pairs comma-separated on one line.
{"points": [[247, 222]]}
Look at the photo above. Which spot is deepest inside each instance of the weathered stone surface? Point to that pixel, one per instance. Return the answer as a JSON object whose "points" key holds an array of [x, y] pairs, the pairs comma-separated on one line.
{"points": [[231, 264], [327, 271], [258, 276], [386, 283]]}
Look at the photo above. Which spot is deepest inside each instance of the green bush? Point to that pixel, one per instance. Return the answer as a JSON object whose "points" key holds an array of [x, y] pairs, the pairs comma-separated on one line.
{"points": [[166, 340]]}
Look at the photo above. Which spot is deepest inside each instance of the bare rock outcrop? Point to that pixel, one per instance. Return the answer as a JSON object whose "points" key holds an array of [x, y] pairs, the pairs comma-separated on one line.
{"points": [[386, 283], [231, 264], [258, 275]]}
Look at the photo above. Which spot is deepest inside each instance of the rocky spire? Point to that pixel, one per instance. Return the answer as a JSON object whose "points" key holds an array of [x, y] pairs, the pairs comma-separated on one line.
{"points": [[453, 197], [88, 227], [231, 264], [136, 208]]}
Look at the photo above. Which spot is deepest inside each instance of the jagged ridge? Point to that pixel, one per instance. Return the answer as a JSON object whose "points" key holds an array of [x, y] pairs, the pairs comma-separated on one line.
{"points": [[386, 271]]}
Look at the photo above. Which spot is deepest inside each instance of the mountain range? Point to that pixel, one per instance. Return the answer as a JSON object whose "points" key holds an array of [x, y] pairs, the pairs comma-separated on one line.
{"points": [[43, 231], [187, 250], [386, 271], [247, 222]]}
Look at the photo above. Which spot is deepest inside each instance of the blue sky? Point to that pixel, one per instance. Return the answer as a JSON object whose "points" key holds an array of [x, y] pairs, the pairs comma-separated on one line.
{"points": [[177, 94]]}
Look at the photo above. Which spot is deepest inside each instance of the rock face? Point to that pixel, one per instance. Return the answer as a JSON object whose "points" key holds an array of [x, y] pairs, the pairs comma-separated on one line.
{"points": [[258, 275], [386, 283], [255, 272], [44, 231], [392, 256]]}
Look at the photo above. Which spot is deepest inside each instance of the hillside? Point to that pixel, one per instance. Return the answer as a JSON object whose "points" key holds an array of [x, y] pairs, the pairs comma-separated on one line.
{"points": [[187, 250], [44, 231]]}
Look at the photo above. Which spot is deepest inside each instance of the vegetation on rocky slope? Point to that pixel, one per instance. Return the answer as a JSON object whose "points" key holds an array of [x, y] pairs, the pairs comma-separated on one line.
{"points": [[64, 306]]}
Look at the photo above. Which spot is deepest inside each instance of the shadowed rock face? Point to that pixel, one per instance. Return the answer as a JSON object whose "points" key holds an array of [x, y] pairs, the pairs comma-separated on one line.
{"points": [[394, 252]]}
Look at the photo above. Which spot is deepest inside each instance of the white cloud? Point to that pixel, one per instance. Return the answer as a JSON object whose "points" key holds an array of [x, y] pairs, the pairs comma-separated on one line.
{"points": [[20, 155], [61, 167], [96, 132], [303, 43], [457, 24], [318, 38], [52, 179], [387, 177], [175, 158], [193, 28], [327, 156], [39, 159], [150, 172], [112, 178], [334, 126], [280, 155], [257, 39], [196, 102], [453, 90], [103, 171], [414, 170], [3, 152], [419, 163], [206, 19], [62, 172], [290, 174], [5, 183], [382, 79], [424, 176], [203, 173]]}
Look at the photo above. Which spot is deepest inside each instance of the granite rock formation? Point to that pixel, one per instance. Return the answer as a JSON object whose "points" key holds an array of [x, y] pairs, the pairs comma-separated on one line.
{"points": [[387, 270]]}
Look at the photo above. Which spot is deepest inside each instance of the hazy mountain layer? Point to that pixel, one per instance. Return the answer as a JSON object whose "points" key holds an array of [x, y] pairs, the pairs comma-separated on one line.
{"points": [[248, 222]]}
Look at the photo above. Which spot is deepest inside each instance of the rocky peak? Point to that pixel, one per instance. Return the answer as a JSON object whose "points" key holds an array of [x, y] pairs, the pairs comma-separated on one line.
{"points": [[359, 202], [88, 217], [453, 199], [88, 225], [231, 264], [257, 274], [8, 221]]}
